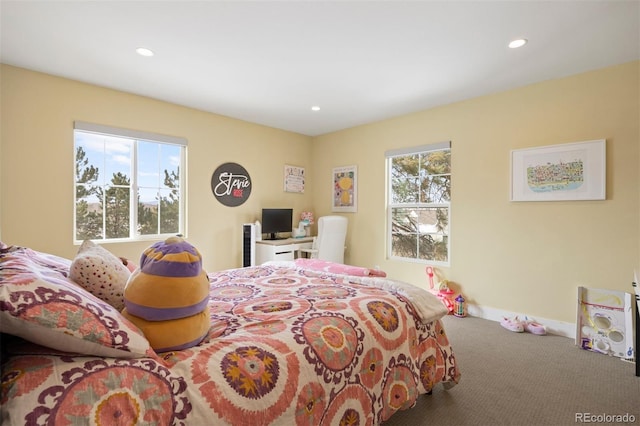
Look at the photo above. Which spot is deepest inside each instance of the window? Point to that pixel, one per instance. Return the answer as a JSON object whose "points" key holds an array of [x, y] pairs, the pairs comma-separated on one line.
{"points": [[419, 197], [128, 184]]}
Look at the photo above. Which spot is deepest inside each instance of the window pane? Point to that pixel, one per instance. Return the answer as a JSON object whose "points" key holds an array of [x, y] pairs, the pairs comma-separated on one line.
{"points": [[404, 220], [433, 247], [404, 190], [117, 157], [420, 233], [420, 220], [169, 212], [148, 197], [89, 158], [88, 215], [436, 162], [148, 163], [117, 212], [147, 212], [435, 189], [86, 172], [433, 220], [404, 245], [170, 164], [403, 167]]}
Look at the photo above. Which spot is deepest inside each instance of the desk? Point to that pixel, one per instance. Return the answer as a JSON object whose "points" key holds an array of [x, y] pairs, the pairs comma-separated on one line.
{"points": [[287, 249]]}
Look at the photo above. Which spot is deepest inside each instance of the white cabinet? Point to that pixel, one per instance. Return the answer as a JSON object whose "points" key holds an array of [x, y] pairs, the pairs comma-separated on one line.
{"points": [[267, 250]]}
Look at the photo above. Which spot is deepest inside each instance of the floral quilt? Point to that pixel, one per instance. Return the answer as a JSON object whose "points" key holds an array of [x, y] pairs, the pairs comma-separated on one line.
{"points": [[287, 345]]}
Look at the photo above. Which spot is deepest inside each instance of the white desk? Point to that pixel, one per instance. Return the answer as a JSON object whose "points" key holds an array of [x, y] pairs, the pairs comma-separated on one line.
{"points": [[287, 249]]}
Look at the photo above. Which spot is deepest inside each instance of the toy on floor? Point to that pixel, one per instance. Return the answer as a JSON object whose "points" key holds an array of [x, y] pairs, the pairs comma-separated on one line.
{"points": [[605, 322], [430, 275], [443, 292], [459, 307]]}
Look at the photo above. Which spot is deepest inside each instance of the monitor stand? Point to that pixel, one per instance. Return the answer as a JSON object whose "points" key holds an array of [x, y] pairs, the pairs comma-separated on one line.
{"points": [[274, 236]]}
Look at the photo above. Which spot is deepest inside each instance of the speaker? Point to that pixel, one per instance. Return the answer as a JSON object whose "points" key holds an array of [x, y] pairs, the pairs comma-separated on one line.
{"points": [[248, 244]]}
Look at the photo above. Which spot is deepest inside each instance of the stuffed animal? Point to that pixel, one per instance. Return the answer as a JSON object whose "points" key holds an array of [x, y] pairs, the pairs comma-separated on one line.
{"points": [[167, 296]]}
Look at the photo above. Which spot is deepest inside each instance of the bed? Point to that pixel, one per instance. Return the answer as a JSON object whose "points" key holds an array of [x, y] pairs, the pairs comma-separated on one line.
{"points": [[288, 344]]}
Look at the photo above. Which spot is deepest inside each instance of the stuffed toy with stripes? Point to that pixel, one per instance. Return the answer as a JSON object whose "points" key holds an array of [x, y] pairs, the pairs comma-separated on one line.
{"points": [[168, 294]]}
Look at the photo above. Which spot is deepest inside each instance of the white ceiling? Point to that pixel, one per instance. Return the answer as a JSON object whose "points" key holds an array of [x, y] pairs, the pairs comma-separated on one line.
{"points": [[268, 62]]}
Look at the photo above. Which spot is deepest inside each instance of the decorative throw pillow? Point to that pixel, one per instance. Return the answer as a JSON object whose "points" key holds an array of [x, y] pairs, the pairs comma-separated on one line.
{"points": [[101, 273], [42, 305]]}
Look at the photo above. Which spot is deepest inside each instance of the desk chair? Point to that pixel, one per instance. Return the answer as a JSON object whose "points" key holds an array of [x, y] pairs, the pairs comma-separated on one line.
{"points": [[329, 244]]}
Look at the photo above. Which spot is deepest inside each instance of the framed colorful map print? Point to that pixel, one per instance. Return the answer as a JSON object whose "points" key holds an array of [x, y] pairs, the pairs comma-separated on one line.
{"points": [[571, 171]]}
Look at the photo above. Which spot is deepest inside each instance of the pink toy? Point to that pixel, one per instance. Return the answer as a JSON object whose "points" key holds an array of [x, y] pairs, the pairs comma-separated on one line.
{"points": [[445, 295], [447, 299], [430, 274]]}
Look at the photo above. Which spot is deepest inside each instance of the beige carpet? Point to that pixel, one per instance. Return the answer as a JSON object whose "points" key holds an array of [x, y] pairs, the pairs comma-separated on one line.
{"points": [[522, 379]]}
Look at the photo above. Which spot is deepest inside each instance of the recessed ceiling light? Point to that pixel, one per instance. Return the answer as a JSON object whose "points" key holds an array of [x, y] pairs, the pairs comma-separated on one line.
{"points": [[519, 42], [143, 51], [315, 108]]}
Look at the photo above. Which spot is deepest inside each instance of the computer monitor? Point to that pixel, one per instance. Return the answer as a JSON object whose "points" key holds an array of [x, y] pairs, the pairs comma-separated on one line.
{"points": [[275, 221]]}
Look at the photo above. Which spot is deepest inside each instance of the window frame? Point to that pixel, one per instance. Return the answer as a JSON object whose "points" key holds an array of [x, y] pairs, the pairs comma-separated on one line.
{"points": [[391, 206], [135, 136]]}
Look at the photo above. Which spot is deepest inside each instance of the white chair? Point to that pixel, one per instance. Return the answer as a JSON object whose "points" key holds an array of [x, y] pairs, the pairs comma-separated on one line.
{"points": [[329, 244]]}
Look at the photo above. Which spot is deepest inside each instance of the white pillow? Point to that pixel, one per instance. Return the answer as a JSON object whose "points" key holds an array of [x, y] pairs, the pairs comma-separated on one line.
{"points": [[101, 273]]}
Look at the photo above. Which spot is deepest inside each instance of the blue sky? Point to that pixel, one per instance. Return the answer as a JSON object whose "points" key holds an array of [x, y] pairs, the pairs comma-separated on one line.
{"points": [[111, 154]]}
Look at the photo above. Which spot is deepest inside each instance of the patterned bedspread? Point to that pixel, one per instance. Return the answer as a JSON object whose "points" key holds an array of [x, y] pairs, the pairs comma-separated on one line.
{"points": [[287, 346]]}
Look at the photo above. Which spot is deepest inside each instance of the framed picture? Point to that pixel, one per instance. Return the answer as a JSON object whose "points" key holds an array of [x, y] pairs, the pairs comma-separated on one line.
{"points": [[345, 189], [293, 179], [571, 171]]}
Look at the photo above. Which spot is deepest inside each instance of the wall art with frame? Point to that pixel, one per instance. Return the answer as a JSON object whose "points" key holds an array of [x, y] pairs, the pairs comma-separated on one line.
{"points": [[570, 171], [345, 189], [294, 179]]}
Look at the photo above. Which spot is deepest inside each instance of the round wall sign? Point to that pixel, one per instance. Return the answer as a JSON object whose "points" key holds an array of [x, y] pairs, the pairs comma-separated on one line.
{"points": [[231, 184]]}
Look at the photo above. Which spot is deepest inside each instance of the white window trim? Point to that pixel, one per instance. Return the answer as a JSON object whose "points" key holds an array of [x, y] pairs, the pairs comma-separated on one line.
{"points": [[128, 133]]}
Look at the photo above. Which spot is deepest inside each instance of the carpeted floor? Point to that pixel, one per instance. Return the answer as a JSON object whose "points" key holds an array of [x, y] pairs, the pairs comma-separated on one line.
{"points": [[522, 379]]}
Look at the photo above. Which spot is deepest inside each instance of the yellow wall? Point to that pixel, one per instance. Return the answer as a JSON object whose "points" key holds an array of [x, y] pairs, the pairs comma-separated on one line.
{"points": [[36, 178], [520, 257], [524, 257]]}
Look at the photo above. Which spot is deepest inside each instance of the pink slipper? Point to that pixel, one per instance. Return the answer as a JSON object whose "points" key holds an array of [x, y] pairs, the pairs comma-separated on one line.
{"points": [[512, 324], [534, 327]]}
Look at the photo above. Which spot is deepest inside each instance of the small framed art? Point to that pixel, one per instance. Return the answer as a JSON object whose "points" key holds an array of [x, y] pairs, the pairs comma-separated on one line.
{"points": [[345, 189], [293, 179]]}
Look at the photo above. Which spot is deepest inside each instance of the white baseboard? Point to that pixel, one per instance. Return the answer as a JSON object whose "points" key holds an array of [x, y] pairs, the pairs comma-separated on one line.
{"points": [[560, 328]]}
